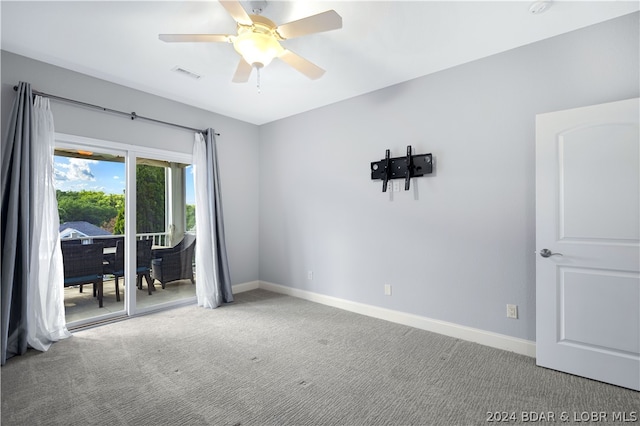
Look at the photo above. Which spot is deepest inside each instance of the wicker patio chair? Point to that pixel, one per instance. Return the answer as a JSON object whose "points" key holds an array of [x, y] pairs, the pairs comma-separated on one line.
{"points": [[108, 243], [143, 263], [83, 265], [64, 243], [175, 263], [115, 264]]}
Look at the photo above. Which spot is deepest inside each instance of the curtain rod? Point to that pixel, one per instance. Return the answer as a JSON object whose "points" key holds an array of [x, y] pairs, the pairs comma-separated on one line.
{"points": [[131, 115]]}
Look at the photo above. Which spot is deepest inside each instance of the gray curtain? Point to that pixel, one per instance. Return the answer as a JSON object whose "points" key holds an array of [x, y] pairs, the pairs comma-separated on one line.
{"points": [[213, 282], [16, 228], [222, 262]]}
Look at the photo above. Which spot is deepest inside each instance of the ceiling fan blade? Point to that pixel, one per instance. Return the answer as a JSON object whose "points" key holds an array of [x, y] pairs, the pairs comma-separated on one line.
{"points": [[242, 72], [236, 11], [325, 21], [307, 68], [194, 38]]}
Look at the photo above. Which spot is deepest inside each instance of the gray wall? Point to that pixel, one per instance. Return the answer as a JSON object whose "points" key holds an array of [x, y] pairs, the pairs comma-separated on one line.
{"points": [[238, 143], [460, 244], [457, 247]]}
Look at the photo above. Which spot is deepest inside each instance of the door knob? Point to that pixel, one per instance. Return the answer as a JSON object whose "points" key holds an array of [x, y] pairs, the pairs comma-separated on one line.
{"points": [[548, 253]]}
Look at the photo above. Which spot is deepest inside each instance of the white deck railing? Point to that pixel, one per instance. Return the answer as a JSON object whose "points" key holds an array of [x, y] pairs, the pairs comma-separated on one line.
{"points": [[159, 238]]}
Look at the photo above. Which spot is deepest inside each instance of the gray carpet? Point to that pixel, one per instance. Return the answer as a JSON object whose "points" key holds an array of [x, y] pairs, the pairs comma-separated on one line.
{"points": [[269, 359]]}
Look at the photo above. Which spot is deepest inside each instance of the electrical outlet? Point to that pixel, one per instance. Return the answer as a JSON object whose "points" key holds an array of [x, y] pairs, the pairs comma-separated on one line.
{"points": [[512, 311], [309, 275], [396, 186], [387, 289]]}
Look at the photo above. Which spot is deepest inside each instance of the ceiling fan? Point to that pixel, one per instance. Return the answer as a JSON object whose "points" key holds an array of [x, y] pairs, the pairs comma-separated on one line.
{"points": [[258, 39]]}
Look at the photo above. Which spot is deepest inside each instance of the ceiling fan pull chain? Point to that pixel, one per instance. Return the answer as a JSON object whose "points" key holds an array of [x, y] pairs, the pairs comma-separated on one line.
{"points": [[258, 73]]}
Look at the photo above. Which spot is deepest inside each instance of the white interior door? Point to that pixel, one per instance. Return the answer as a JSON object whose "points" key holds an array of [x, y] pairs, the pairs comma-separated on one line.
{"points": [[587, 237]]}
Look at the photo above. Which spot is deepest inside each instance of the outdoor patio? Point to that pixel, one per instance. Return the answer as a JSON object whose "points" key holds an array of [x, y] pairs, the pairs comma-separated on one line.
{"points": [[80, 306]]}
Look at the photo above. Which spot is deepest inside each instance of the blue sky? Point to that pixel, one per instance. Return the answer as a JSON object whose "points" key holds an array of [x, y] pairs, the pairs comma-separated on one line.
{"points": [[77, 174]]}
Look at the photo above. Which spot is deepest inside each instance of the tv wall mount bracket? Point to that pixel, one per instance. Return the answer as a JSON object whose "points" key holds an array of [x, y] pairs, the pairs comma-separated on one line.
{"points": [[405, 168]]}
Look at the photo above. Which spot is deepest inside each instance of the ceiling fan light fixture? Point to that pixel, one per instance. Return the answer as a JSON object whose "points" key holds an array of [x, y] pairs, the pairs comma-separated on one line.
{"points": [[257, 49], [258, 38]]}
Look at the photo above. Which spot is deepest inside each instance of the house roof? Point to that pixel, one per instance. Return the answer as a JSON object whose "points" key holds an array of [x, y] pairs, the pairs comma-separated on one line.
{"points": [[85, 228]]}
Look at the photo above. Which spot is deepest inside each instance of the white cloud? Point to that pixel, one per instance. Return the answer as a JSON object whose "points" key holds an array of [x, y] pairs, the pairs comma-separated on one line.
{"points": [[78, 169], [59, 176]]}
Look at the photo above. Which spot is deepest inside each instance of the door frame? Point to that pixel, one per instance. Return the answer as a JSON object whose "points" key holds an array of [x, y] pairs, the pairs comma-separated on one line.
{"points": [[131, 153], [618, 256]]}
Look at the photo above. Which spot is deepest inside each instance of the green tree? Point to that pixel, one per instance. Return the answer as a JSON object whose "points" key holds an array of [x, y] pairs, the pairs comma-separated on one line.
{"points": [[150, 201], [118, 227], [191, 216], [94, 207], [107, 210], [150, 198]]}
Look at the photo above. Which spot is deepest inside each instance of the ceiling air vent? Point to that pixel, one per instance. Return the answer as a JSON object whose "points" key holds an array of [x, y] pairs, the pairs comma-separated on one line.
{"points": [[186, 72]]}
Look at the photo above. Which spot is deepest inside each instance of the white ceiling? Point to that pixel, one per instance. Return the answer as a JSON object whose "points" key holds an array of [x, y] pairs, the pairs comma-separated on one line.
{"points": [[381, 43]]}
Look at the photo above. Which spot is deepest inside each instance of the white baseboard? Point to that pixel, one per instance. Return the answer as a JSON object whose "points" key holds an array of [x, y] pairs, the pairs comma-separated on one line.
{"points": [[487, 338], [240, 288]]}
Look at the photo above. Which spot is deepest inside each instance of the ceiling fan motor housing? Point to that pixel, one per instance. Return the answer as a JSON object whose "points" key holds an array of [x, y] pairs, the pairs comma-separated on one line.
{"points": [[258, 43]]}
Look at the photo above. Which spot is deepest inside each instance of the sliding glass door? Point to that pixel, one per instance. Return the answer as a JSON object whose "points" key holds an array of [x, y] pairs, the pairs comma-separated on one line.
{"points": [[90, 189], [139, 207], [165, 230]]}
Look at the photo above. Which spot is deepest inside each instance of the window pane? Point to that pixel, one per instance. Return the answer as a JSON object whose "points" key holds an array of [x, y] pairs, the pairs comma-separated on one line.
{"points": [[90, 194], [164, 215]]}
